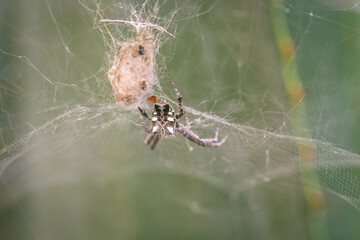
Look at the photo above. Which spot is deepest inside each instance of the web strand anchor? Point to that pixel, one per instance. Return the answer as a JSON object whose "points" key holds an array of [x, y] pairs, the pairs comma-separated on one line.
{"points": [[138, 24]]}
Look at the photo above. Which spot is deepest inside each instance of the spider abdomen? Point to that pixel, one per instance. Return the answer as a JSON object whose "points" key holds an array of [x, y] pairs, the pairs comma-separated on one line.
{"points": [[162, 119], [165, 128]]}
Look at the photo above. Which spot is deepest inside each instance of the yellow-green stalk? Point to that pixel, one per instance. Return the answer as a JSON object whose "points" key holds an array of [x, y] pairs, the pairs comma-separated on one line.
{"points": [[297, 104]]}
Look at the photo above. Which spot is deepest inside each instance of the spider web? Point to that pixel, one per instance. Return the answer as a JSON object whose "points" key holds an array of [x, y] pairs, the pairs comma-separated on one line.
{"points": [[73, 164]]}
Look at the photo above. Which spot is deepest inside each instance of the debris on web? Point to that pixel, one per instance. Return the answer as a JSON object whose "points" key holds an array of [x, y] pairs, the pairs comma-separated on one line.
{"points": [[133, 69]]}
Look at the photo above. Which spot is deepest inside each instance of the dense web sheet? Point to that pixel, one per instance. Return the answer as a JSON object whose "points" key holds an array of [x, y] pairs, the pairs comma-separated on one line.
{"points": [[64, 140]]}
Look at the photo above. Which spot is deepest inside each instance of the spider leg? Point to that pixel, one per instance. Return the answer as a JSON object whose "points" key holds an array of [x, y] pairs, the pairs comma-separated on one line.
{"points": [[147, 130], [205, 142], [152, 140], [187, 123], [216, 133], [179, 97], [155, 141], [215, 138], [142, 111]]}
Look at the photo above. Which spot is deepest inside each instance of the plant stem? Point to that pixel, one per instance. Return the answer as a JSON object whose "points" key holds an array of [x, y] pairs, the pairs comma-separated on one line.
{"points": [[314, 196]]}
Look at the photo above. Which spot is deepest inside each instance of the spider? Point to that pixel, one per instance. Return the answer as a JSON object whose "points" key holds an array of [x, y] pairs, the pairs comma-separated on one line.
{"points": [[164, 123]]}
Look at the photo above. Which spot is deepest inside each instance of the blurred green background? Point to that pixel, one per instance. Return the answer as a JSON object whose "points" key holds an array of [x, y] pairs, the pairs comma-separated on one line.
{"points": [[73, 164]]}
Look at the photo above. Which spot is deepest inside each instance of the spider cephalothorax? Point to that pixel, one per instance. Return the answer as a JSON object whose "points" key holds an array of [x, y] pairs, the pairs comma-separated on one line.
{"points": [[164, 123]]}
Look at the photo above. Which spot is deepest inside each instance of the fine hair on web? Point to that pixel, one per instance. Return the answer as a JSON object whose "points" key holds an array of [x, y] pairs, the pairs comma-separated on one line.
{"points": [[73, 130]]}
